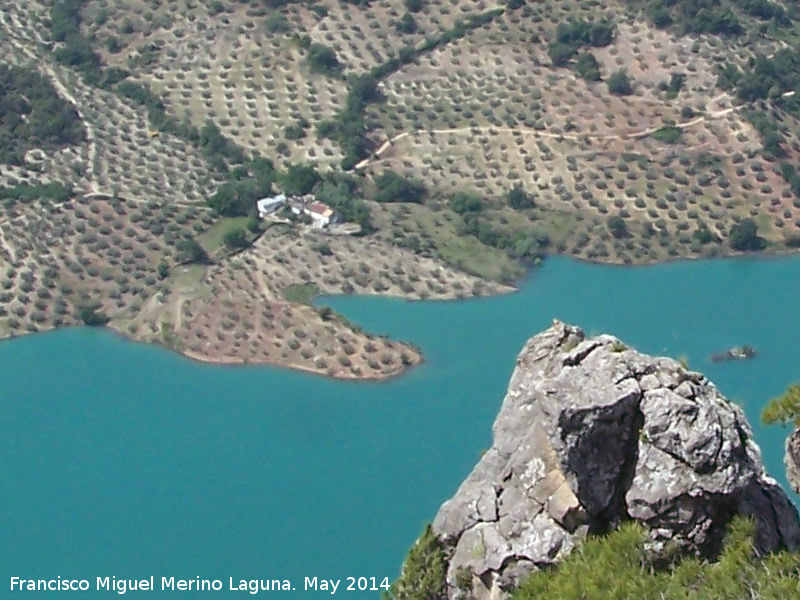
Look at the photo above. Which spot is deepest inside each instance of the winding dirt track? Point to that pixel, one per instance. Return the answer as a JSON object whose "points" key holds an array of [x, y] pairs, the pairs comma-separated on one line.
{"points": [[542, 134]]}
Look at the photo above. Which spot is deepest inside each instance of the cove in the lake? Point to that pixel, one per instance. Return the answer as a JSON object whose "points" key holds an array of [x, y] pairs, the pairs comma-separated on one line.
{"points": [[124, 460]]}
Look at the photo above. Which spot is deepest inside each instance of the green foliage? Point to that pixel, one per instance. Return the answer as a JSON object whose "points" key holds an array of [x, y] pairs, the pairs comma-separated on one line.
{"points": [[236, 239], [518, 198], [214, 144], [414, 5], [299, 179], [424, 571], [349, 129], [246, 184], [771, 134], [210, 139], [300, 293], [322, 59], [296, 131], [55, 191], [407, 24], [693, 16], [766, 10], [617, 227], [586, 66], [668, 134], [783, 409], [744, 236], [75, 50], [32, 115], [89, 315], [390, 186], [615, 566], [253, 223], [674, 86], [162, 269], [619, 83], [704, 235], [342, 193], [276, 22], [323, 248], [770, 77], [466, 202], [571, 37], [792, 177], [190, 251]]}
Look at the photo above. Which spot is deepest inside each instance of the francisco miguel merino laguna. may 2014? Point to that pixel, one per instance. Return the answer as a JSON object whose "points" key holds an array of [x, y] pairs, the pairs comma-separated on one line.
{"points": [[122, 586]]}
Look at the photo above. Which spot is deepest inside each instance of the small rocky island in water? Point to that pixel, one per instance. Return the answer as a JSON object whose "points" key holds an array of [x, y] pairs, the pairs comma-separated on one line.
{"points": [[591, 434]]}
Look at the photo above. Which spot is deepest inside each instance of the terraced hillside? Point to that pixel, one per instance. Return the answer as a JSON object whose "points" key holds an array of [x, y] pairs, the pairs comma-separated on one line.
{"points": [[465, 138]]}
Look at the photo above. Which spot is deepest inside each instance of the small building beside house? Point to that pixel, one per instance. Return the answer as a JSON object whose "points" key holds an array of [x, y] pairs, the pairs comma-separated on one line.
{"points": [[267, 206], [321, 214]]}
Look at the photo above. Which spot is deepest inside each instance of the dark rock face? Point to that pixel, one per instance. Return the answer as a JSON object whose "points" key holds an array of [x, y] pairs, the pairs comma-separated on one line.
{"points": [[592, 433], [793, 460]]}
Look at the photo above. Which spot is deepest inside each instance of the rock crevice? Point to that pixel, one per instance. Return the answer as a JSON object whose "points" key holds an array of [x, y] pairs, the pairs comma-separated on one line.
{"points": [[592, 433]]}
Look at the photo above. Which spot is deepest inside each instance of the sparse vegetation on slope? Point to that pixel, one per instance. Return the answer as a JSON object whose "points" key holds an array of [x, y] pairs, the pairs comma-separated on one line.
{"points": [[616, 566]]}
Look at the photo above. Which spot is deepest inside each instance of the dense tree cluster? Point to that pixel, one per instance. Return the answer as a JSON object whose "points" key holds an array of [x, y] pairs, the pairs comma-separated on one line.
{"points": [[190, 251], [464, 202], [518, 198], [693, 16], [91, 315], [299, 179], [75, 50], [32, 115], [390, 186], [349, 127], [767, 78], [246, 184], [571, 37], [767, 10], [342, 193], [744, 236]]}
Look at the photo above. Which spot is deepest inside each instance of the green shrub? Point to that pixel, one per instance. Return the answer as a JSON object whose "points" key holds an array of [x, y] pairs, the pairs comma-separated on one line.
{"points": [[424, 571], [586, 66], [236, 239], [619, 83], [322, 59], [668, 134], [744, 236]]}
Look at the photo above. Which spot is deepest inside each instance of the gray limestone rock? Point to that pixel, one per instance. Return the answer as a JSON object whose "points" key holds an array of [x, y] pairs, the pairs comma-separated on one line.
{"points": [[592, 433]]}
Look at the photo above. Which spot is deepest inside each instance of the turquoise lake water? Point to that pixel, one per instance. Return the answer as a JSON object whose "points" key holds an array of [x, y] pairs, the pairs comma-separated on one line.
{"points": [[119, 459]]}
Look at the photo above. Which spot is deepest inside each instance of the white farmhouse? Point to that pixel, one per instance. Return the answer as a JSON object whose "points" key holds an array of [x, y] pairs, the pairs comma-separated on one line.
{"points": [[321, 214]]}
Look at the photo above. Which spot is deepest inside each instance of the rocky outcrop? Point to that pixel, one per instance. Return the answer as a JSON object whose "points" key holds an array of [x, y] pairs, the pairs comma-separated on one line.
{"points": [[793, 460], [592, 433]]}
